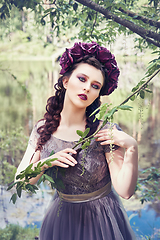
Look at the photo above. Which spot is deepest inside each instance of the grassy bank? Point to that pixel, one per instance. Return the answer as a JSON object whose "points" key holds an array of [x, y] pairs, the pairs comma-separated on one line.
{"points": [[16, 232]]}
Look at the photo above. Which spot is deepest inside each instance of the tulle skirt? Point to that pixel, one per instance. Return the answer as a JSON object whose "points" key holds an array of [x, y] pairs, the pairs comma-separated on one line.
{"points": [[101, 219]]}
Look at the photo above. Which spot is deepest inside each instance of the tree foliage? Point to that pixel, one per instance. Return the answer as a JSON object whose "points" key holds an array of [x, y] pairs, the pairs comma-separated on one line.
{"points": [[96, 20]]}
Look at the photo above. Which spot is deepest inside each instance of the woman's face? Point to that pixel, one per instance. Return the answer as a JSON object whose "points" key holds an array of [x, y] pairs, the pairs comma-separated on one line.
{"points": [[83, 86]]}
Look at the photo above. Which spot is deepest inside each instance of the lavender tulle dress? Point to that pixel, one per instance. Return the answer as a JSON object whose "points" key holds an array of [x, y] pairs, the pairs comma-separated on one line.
{"points": [[99, 218]]}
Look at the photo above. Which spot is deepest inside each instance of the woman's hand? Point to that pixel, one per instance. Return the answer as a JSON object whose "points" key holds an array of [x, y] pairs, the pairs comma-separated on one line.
{"points": [[114, 136], [64, 159]]}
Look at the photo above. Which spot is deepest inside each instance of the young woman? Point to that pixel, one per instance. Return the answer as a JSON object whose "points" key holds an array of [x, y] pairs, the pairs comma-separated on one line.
{"points": [[85, 206]]}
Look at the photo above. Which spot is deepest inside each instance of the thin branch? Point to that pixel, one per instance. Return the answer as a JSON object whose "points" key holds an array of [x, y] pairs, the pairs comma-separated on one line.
{"points": [[126, 100], [126, 23], [141, 87], [95, 20], [142, 18]]}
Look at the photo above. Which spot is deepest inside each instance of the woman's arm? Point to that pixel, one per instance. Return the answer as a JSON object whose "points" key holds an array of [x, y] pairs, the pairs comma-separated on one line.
{"points": [[123, 162], [64, 159]]}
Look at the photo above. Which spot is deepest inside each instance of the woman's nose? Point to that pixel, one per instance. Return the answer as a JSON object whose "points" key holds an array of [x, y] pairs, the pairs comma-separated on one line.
{"points": [[86, 87]]}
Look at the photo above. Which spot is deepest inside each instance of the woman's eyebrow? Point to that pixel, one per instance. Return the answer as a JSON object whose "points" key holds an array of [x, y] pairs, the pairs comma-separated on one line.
{"points": [[88, 77], [98, 82]]}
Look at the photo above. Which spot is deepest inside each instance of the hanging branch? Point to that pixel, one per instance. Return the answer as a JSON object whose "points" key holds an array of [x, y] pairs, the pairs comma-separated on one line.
{"points": [[140, 88], [94, 23]]}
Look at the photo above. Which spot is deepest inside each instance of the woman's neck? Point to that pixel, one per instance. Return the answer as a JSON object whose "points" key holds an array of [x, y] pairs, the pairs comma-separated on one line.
{"points": [[72, 118], [71, 121]]}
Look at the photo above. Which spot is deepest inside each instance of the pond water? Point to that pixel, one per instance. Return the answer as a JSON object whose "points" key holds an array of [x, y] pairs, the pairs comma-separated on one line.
{"points": [[24, 89]]}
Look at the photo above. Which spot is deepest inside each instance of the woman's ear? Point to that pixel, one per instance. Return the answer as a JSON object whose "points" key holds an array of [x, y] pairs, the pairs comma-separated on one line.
{"points": [[65, 82]]}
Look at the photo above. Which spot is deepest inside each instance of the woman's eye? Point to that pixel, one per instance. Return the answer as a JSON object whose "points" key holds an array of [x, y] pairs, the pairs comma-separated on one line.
{"points": [[82, 79], [95, 86]]}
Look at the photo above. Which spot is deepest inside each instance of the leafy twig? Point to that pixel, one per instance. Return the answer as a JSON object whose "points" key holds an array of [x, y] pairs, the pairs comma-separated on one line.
{"points": [[24, 177], [147, 188], [106, 116], [144, 84]]}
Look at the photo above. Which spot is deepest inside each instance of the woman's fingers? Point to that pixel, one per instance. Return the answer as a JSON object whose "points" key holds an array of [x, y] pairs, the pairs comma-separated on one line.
{"points": [[114, 136], [55, 163], [108, 142], [108, 136], [64, 159], [103, 135], [60, 164]]}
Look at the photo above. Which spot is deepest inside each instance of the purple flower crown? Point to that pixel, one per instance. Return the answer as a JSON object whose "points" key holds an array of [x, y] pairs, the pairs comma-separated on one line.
{"points": [[103, 55]]}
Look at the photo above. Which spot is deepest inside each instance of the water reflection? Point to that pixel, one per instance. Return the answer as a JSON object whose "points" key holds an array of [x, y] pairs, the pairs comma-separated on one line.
{"points": [[23, 102]]}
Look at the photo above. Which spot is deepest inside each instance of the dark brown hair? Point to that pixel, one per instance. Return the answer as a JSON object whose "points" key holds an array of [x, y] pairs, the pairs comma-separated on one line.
{"points": [[55, 105]]}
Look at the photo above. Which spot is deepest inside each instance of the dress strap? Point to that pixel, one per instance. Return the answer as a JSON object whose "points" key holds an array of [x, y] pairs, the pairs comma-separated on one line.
{"points": [[100, 193]]}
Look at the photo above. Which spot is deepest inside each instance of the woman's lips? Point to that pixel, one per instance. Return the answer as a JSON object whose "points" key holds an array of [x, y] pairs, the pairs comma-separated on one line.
{"points": [[82, 97]]}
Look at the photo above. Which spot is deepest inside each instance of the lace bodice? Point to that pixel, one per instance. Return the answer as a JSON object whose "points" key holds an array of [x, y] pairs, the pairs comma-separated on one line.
{"points": [[88, 175]]}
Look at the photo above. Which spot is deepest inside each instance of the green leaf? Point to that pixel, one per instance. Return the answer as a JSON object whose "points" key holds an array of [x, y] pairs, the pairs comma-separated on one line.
{"points": [[86, 144], [86, 132], [14, 198], [103, 107], [142, 94], [134, 89], [20, 176], [40, 180], [111, 112], [35, 187], [30, 188], [48, 162], [125, 107], [19, 189], [80, 140], [132, 98], [29, 168], [51, 153], [80, 133], [94, 112], [101, 113], [148, 90], [10, 186], [75, 6], [138, 85], [43, 22], [38, 165], [48, 178]]}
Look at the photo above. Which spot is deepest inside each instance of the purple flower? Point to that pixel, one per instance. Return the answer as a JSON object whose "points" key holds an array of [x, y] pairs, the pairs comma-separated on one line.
{"points": [[89, 48], [76, 51], [103, 55], [66, 61]]}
